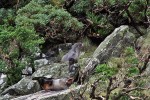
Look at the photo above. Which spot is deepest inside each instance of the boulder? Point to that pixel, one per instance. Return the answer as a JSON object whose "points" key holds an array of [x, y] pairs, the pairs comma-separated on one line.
{"points": [[41, 62], [68, 94], [3, 78], [56, 70], [112, 46], [23, 87]]}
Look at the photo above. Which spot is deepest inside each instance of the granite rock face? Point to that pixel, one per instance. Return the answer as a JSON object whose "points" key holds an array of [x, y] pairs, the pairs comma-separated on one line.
{"points": [[112, 46], [56, 70], [52, 95]]}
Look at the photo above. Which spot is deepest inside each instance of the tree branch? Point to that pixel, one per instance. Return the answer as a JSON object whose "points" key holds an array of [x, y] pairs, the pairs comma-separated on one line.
{"points": [[133, 22], [68, 4], [92, 94]]}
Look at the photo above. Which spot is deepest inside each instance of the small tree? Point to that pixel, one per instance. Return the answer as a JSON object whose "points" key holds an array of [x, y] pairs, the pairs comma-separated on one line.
{"points": [[17, 47]]}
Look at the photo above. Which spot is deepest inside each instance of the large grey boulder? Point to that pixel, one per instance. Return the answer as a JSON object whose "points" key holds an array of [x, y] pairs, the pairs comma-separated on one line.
{"points": [[23, 87], [68, 94], [56, 70], [113, 45]]}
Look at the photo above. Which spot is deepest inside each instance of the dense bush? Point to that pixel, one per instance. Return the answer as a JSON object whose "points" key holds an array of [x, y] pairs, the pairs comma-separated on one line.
{"points": [[105, 15], [54, 24], [17, 42]]}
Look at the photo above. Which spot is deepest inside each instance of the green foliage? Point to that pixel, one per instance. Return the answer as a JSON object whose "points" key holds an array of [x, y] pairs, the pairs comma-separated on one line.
{"points": [[37, 13], [9, 39], [58, 3], [20, 39], [131, 61], [3, 65], [105, 30], [105, 15], [6, 16], [96, 19], [12, 39], [100, 24], [124, 98], [106, 70], [130, 57], [98, 2], [129, 51], [28, 38], [105, 2], [137, 8], [81, 6], [133, 71]]}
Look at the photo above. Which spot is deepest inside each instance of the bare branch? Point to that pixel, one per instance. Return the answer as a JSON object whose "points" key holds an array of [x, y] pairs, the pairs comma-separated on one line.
{"points": [[92, 94], [127, 90], [133, 22]]}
